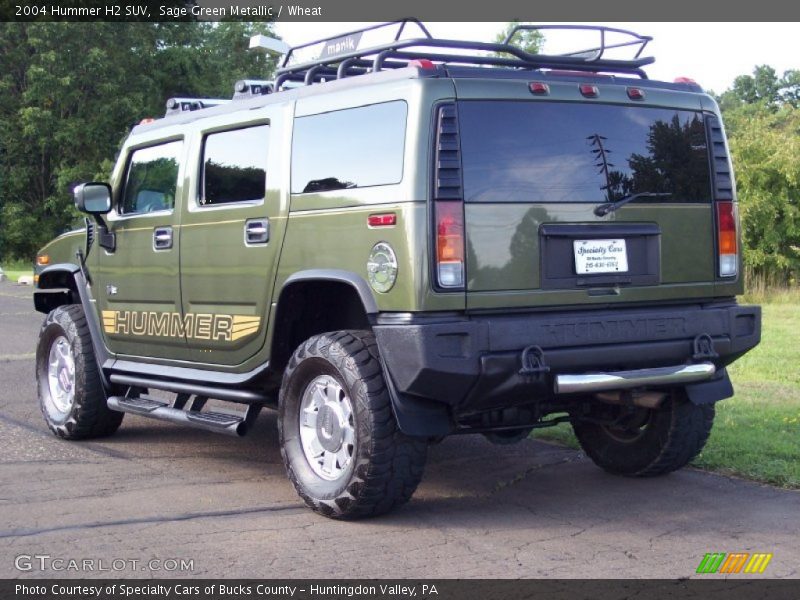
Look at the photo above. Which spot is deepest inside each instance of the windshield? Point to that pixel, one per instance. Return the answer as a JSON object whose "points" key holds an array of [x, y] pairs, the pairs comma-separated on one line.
{"points": [[564, 152]]}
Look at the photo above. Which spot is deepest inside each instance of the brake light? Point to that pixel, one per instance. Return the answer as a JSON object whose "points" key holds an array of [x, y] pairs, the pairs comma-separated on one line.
{"points": [[450, 243], [539, 88], [589, 91], [684, 80], [727, 242], [635, 93]]}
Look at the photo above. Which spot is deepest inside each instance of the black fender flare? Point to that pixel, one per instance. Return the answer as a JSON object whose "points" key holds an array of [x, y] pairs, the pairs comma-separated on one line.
{"points": [[415, 417], [55, 274], [358, 283], [56, 285]]}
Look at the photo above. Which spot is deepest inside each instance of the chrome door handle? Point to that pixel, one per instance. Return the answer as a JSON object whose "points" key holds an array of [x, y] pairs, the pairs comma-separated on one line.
{"points": [[256, 231], [162, 238]]}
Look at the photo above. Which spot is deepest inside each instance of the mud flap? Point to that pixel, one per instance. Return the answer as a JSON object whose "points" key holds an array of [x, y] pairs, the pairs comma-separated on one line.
{"points": [[417, 417], [709, 392]]}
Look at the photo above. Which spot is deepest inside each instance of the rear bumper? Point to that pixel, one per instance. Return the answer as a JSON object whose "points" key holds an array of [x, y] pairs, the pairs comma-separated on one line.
{"points": [[472, 363], [626, 380]]}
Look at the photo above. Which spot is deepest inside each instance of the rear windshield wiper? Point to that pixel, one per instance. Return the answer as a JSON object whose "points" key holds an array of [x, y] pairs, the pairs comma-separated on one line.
{"points": [[601, 210]]}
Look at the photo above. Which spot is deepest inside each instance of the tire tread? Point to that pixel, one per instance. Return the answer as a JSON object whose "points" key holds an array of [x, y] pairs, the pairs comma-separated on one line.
{"points": [[387, 474], [90, 416]]}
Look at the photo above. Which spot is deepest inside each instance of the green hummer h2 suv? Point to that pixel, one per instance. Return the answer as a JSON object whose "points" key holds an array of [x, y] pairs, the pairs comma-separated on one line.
{"points": [[394, 242]]}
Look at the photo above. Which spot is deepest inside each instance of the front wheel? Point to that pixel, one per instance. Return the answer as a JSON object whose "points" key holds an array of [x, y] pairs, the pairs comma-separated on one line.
{"points": [[71, 394], [339, 439], [647, 442]]}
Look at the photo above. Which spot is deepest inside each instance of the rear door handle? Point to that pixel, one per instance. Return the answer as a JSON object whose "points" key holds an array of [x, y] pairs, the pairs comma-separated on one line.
{"points": [[256, 231], [162, 238]]}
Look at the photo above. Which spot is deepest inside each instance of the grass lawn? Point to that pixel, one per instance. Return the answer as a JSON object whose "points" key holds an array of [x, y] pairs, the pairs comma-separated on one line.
{"points": [[14, 270], [756, 433]]}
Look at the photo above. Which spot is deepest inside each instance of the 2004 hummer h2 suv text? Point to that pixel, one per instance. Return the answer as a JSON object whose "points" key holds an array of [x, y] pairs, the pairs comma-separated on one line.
{"points": [[394, 242]]}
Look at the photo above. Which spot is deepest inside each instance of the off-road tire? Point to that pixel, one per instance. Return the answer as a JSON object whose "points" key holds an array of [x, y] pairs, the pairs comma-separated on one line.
{"points": [[89, 415], [674, 435], [386, 465]]}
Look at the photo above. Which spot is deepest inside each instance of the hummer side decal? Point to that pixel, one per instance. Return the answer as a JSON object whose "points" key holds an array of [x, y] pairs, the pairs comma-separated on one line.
{"points": [[199, 326]]}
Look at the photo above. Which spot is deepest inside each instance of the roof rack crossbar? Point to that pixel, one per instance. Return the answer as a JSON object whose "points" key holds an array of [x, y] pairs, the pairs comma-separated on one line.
{"points": [[637, 40], [607, 65], [401, 22]]}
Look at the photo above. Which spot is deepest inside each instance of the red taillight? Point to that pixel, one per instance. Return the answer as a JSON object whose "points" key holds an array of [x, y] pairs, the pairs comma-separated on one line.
{"points": [[684, 80], [727, 243], [635, 93], [382, 220], [539, 88], [450, 243], [590, 91]]}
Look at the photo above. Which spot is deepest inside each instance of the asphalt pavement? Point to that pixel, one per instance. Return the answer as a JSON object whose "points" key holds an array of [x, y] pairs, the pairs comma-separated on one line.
{"points": [[203, 505]]}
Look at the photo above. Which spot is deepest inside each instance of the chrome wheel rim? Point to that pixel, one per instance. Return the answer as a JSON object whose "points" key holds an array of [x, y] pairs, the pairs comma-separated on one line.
{"points": [[327, 428], [61, 374]]}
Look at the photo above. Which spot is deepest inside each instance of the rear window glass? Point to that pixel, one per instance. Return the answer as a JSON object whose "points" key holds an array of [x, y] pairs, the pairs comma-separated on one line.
{"points": [[561, 152], [352, 148]]}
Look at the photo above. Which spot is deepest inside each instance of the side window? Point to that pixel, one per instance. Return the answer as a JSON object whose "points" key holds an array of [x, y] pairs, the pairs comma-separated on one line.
{"points": [[352, 148], [235, 165], [152, 179]]}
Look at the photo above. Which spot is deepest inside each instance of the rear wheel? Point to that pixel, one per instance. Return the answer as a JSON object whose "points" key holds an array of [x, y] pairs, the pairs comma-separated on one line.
{"points": [[339, 439], [646, 442], [71, 394]]}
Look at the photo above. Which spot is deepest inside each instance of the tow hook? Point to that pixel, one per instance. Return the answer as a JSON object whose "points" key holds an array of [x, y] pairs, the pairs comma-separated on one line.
{"points": [[703, 347], [533, 364]]}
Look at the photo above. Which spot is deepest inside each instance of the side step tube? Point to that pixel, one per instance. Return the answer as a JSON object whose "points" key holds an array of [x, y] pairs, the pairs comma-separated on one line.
{"points": [[231, 395], [623, 380], [209, 421]]}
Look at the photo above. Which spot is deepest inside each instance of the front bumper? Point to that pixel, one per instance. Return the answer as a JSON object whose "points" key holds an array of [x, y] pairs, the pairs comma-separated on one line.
{"points": [[472, 363]]}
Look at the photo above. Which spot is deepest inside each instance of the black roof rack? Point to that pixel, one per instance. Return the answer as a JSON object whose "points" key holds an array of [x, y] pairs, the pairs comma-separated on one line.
{"points": [[340, 56]]}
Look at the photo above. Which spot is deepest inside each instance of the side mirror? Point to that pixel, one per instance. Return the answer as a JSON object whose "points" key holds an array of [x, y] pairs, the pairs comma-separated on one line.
{"points": [[93, 198]]}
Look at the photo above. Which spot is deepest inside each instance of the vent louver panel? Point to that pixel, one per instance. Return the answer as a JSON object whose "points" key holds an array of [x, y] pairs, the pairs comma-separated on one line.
{"points": [[447, 178], [720, 160], [90, 234]]}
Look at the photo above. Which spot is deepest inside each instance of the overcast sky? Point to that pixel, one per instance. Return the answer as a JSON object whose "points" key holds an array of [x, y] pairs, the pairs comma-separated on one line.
{"points": [[711, 53]]}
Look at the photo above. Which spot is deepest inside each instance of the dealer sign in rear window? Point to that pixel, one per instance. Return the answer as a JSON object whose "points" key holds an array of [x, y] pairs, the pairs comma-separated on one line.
{"points": [[600, 256]]}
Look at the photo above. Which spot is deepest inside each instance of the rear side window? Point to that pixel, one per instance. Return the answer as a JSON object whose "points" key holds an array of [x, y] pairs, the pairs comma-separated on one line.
{"points": [[152, 179], [352, 148], [235, 165], [562, 152]]}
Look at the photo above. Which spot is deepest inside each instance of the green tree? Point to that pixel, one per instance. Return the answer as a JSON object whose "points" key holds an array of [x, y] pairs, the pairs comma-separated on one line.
{"points": [[70, 92], [763, 87], [529, 40], [765, 145]]}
